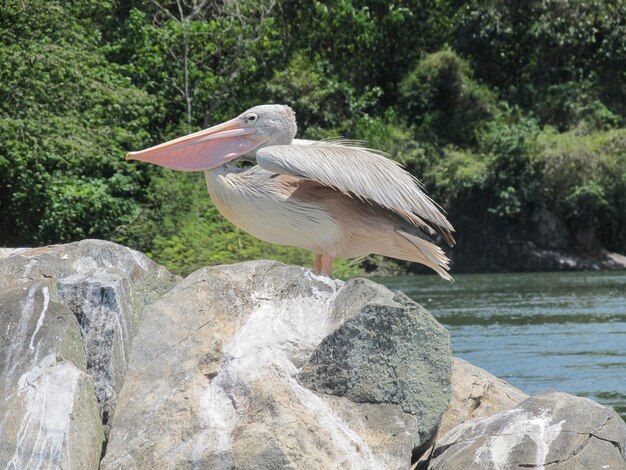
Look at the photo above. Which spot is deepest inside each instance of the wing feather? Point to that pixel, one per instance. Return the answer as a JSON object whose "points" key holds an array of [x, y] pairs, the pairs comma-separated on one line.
{"points": [[358, 172]]}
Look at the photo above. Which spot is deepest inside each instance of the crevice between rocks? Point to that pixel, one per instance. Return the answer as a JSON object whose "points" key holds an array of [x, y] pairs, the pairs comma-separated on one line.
{"points": [[419, 452], [104, 322]]}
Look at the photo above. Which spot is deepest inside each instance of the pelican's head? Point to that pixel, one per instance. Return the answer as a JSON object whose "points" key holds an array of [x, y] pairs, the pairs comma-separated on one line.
{"points": [[269, 124], [275, 122]]}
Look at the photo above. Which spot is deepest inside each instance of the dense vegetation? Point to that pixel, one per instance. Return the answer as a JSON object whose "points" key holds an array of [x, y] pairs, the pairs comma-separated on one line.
{"points": [[504, 109]]}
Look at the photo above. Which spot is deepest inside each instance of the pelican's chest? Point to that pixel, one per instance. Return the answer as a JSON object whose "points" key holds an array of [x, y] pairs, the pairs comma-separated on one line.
{"points": [[256, 202]]}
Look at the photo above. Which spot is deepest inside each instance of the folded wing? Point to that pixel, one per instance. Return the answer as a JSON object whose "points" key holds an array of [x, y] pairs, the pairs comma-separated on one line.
{"points": [[361, 173]]}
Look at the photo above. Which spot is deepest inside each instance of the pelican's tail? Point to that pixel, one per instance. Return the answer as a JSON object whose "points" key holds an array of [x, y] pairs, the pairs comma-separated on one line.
{"points": [[428, 254]]}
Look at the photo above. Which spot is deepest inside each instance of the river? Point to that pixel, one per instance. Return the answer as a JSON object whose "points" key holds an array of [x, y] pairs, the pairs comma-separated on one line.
{"points": [[537, 331]]}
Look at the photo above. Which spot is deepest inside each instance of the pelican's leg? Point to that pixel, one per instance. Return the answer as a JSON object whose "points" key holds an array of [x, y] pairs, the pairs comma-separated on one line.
{"points": [[327, 265], [323, 264], [317, 263]]}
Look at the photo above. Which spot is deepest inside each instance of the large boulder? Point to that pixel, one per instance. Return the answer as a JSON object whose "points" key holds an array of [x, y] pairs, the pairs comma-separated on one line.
{"points": [[260, 365], [256, 365], [47, 400], [550, 430], [68, 314], [475, 394]]}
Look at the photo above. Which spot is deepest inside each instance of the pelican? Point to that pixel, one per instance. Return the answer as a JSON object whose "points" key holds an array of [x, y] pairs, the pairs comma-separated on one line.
{"points": [[334, 198]]}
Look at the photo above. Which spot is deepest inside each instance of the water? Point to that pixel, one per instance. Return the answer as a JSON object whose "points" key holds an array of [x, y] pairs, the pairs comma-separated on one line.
{"points": [[537, 331]]}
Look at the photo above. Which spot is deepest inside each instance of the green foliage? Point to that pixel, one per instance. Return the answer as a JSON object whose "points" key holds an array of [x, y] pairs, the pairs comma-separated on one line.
{"points": [[552, 57], [201, 65], [499, 107], [585, 203], [513, 167], [324, 106], [585, 181], [66, 116], [443, 101], [82, 207], [368, 44], [457, 174]]}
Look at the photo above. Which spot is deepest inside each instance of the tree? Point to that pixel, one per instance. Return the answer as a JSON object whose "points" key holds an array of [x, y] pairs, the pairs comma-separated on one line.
{"points": [[67, 116], [563, 61], [444, 102]]}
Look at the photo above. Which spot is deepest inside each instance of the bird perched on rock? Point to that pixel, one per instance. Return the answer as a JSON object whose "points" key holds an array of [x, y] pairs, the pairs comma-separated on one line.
{"points": [[335, 198]]}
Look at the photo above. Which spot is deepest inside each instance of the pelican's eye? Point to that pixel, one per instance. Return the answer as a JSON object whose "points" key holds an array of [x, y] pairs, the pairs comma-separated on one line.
{"points": [[252, 117]]}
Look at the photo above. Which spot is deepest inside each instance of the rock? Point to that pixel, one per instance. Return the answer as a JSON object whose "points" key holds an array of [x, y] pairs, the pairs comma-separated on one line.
{"points": [[540, 243], [48, 400], [548, 231], [68, 314], [366, 359], [230, 370], [619, 261], [254, 366], [551, 429], [475, 394]]}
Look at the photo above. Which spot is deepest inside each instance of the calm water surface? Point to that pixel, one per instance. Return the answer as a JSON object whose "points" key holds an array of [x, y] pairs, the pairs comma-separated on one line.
{"points": [[538, 331]]}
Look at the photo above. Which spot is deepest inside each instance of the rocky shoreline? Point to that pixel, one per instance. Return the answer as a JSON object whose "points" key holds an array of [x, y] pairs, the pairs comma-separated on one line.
{"points": [[109, 361], [536, 241], [527, 257]]}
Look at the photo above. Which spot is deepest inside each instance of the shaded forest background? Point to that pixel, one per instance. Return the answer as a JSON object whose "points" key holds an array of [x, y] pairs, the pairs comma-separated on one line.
{"points": [[512, 113]]}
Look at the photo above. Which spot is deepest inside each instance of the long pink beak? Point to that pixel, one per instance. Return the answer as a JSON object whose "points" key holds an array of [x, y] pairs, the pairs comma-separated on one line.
{"points": [[203, 150]]}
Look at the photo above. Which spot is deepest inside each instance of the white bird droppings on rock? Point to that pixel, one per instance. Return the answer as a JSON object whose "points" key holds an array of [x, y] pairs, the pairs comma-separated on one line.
{"points": [[50, 388], [548, 430], [44, 309], [497, 449]]}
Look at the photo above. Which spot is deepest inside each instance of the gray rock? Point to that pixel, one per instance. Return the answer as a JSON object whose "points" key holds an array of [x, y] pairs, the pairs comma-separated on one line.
{"points": [[106, 287], [68, 314], [550, 430], [227, 372], [254, 366], [548, 231], [388, 349], [475, 394], [48, 412], [104, 304]]}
